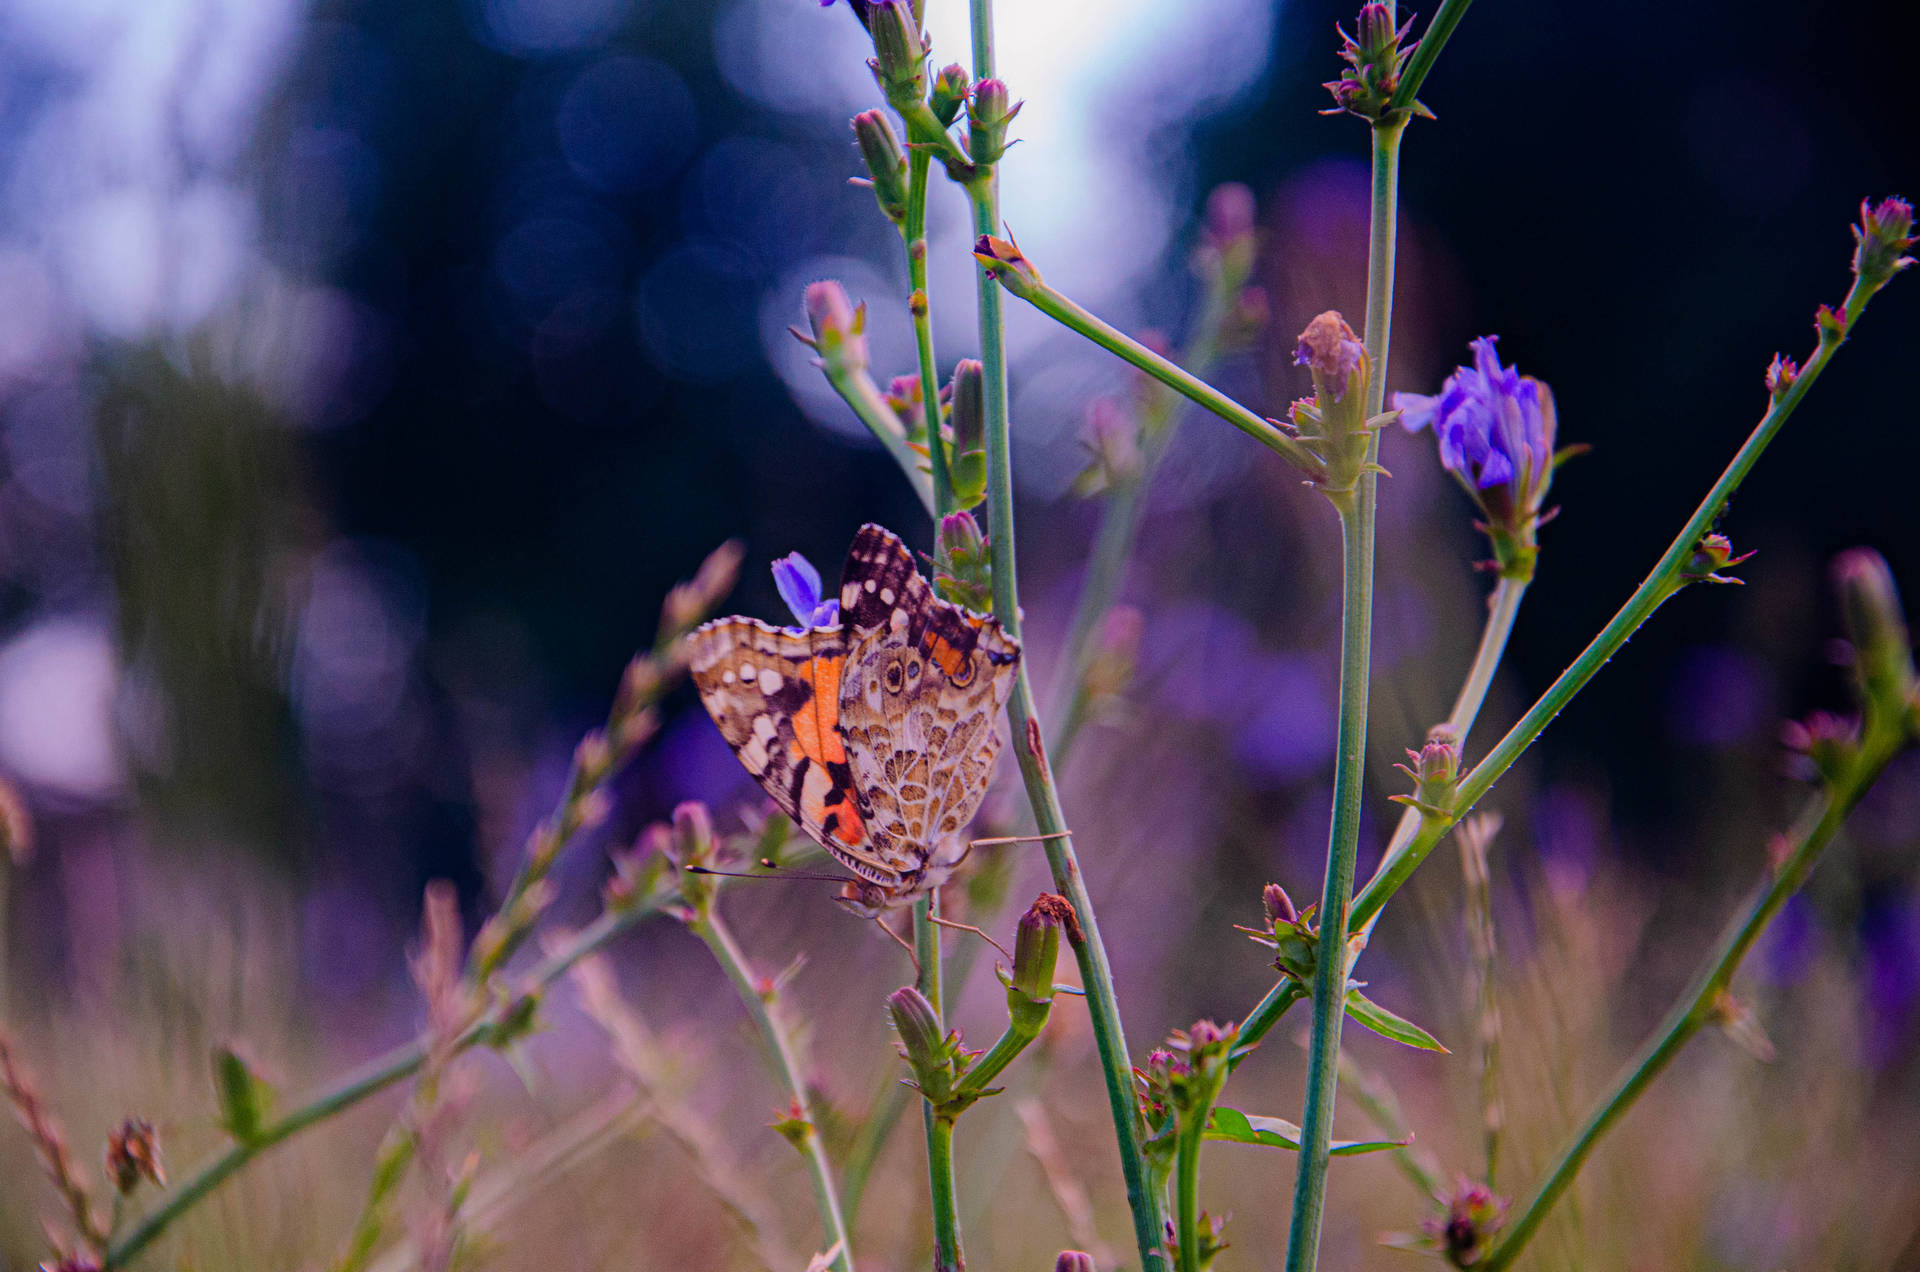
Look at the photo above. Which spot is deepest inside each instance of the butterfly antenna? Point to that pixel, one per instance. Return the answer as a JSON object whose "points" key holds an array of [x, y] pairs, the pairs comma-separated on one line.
{"points": [[1019, 839], [968, 927], [753, 874]]}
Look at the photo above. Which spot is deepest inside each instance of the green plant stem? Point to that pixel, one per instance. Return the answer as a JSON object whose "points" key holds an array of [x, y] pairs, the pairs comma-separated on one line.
{"points": [[915, 233], [758, 1000], [1356, 633], [1662, 582], [1056, 306], [1186, 1190], [1503, 607], [1096, 973], [1816, 830], [947, 1256], [375, 1076], [1432, 40], [858, 390]]}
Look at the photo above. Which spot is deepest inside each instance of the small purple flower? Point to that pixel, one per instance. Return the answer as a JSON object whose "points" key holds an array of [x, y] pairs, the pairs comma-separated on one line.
{"points": [[799, 585], [1496, 432]]}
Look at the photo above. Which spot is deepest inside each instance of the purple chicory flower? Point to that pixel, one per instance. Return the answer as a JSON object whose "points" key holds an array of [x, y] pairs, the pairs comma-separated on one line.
{"points": [[799, 585], [1496, 430]]}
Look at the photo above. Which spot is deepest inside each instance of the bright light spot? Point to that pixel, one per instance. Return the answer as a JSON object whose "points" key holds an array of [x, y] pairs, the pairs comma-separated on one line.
{"points": [[57, 685]]}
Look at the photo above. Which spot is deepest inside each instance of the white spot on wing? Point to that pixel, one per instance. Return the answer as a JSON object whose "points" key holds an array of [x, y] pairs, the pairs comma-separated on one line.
{"points": [[770, 681]]}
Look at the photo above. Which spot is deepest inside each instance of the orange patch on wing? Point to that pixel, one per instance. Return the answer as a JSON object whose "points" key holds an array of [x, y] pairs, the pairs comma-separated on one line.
{"points": [[814, 726], [847, 826], [946, 657]]}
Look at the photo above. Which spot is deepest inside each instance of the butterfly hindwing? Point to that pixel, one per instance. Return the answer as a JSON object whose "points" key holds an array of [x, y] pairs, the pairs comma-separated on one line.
{"points": [[775, 695]]}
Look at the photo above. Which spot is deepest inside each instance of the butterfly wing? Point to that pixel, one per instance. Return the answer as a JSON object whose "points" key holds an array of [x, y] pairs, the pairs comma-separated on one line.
{"points": [[775, 694], [925, 681]]}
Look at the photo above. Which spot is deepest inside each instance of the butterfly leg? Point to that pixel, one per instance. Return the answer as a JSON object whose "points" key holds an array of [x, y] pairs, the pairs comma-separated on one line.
{"points": [[881, 922], [1019, 839], [968, 927]]}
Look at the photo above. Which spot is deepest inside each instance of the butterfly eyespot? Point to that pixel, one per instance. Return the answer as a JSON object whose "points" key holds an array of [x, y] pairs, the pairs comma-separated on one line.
{"points": [[913, 669], [894, 678], [962, 675]]}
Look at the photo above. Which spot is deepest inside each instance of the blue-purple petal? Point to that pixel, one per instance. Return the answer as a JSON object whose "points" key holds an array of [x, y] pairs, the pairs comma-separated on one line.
{"points": [[799, 585]]}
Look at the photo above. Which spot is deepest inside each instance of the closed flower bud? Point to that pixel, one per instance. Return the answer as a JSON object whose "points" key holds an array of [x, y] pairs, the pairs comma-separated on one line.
{"points": [[886, 163], [838, 328], [968, 469], [950, 88], [1781, 373], [1877, 629], [923, 1043], [963, 569], [1375, 56], [990, 110], [1436, 769], [1073, 1261], [1830, 324], [1881, 240], [1278, 905], [899, 51], [693, 842], [1714, 554], [1474, 1216]]}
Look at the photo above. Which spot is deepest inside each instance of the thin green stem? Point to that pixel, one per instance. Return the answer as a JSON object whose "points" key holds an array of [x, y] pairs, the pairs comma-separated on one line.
{"points": [[1096, 973], [1432, 40], [1356, 635], [1695, 1008], [947, 1255], [915, 234], [758, 999], [1665, 579], [858, 390], [375, 1076], [1186, 1190], [1056, 306]]}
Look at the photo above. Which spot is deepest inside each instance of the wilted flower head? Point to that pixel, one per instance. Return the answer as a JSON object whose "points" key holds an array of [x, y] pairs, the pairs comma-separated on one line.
{"points": [[1474, 1216], [799, 585], [133, 1154], [1496, 429], [1329, 347]]}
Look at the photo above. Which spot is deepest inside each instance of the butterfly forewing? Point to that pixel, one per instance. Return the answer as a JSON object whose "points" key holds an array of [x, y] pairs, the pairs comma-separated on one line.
{"points": [[775, 695]]}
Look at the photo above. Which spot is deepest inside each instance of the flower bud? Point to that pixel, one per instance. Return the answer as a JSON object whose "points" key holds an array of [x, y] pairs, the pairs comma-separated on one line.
{"points": [[1334, 354], [1781, 373], [1474, 1216], [950, 89], [1876, 627], [1375, 58], [1073, 1261], [1830, 324], [1714, 553], [989, 112], [693, 842], [1435, 771], [899, 52], [968, 469], [1828, 742], [838, 328], [963, 570], [923, 1043], [1278, 905], [1004, 261], [886, 163], [133, 1154], [1036, 949], [1881, 240]]}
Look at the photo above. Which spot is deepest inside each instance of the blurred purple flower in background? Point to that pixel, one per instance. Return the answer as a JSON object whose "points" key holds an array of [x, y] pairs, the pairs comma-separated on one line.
{"points": [[799, 585]]}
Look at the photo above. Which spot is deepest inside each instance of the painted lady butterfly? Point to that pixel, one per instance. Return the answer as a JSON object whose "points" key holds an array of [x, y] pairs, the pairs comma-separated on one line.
{"points": [[876, 735]]}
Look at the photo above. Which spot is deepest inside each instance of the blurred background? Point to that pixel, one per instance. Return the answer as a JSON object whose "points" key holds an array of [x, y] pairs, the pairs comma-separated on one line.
{"points": [[368, 373]]}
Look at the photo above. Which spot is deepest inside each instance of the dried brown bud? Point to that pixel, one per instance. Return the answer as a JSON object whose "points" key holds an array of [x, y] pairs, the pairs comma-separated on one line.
{"points": [[133, 1154]]}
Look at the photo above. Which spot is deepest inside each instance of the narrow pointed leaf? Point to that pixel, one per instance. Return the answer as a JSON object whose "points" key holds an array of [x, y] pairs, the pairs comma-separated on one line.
{"points": [[1236, 1127], [1383, 1022]]}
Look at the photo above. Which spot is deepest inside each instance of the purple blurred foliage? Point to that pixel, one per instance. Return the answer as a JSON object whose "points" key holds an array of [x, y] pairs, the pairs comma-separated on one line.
{"points": [[1890, 941], [1570, 827], [1788, 947], [1719, 696]]}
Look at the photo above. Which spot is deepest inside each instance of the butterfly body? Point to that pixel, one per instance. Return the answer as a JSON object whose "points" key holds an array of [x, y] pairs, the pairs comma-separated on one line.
{"points": [[875, 735]]}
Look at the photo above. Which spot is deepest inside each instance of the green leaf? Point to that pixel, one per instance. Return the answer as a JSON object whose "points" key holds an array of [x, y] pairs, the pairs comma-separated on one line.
{"points": [[1236, 1127], [1388, 1025]]}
